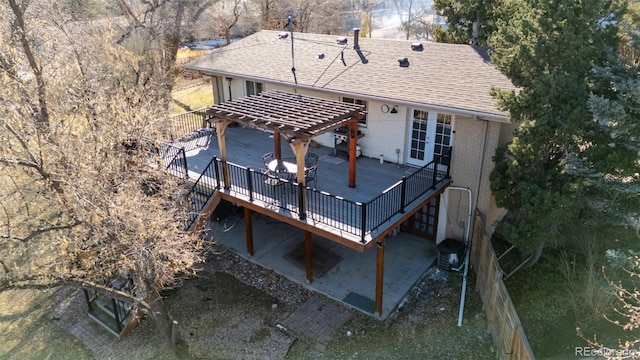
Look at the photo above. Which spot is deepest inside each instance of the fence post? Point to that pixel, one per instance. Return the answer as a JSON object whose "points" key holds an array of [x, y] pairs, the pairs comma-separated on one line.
{"points": [[363, 222], [491, 316], [216, 170], [184, 162], [249, 184], [403, 194]]}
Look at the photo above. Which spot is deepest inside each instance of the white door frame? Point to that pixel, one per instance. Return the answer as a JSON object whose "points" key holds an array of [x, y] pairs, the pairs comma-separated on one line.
{"points": [[420, 151]]}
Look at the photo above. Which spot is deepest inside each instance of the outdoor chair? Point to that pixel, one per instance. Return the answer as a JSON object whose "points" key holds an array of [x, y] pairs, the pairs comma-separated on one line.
{"points": [[310, 175], [310, 160], [272, 185], [267, 158]]}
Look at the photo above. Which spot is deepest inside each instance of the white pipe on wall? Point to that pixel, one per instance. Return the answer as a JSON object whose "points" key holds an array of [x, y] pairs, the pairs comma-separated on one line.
{"points": [[466, 257]]}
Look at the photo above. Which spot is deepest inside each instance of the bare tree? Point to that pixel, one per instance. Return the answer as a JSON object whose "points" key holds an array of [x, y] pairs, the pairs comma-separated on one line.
{"points": [[161, 24], [320, 16], [78, 201], [225, 16]]}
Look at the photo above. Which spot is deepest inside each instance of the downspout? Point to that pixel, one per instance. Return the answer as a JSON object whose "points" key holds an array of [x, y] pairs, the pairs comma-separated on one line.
{"points": [[468, 226], [468, 252], [481, 161]]}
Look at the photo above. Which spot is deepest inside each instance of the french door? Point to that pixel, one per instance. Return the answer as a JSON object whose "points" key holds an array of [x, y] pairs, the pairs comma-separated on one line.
{"points": [[424, 222], [429, 134]]}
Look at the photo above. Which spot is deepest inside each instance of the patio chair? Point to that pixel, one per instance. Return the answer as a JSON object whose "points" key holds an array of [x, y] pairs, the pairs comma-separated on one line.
{"points": [[272, 185], [310, 160], [310, 175], [267, 158]]}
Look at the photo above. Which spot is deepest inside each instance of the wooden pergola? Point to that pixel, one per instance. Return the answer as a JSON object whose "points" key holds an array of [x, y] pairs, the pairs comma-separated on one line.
{"points": [[298, 119], [295, 117]]}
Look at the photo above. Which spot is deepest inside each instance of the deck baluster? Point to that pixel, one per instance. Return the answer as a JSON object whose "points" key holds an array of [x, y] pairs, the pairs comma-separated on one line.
{"points": [[249, 183], [216, 170], [435, 162], [363, 225], [403, 194]]}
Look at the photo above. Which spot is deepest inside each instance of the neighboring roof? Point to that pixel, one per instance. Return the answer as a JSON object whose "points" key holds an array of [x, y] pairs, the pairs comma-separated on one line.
{"points": [[296, 116], [456, 77]]}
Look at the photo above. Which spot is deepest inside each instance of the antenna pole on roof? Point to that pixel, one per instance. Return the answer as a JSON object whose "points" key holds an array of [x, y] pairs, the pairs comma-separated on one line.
{"points": [[293, 63]]}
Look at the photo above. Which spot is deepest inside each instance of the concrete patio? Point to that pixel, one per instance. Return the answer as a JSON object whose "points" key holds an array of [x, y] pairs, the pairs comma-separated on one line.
{"points": [[340, 273]]}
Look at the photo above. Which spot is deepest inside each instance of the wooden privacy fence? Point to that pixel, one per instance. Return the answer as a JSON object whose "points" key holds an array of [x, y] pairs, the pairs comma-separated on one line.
{"points": [[504, 323]]}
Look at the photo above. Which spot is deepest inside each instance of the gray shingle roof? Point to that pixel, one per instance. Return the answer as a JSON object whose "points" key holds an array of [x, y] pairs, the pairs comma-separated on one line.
{"points": [[457, 77]]}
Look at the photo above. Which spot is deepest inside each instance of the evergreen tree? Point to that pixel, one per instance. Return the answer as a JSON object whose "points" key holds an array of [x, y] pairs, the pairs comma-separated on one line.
{"points": [[549, 50], [461, 16]]}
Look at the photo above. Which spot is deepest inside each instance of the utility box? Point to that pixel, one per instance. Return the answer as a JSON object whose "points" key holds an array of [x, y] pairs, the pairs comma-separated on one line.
{"points": [[451, 254]]}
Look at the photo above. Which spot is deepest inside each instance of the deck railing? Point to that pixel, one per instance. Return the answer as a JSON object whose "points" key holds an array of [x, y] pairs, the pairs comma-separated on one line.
{"points": [[394, 200], [174, 159], [356, 218], [166, 156], [201, 192], [186, 123]]}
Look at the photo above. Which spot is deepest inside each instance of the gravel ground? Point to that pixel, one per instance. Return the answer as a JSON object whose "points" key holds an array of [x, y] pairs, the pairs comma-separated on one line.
{"points": [[231, 309]]}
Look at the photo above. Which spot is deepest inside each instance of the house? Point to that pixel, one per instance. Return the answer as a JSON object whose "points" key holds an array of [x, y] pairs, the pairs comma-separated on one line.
{"points": [[421, 105]]}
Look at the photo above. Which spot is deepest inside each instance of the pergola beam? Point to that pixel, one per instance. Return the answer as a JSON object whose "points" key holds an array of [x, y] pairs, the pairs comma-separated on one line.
{"points": [[295, 116]]}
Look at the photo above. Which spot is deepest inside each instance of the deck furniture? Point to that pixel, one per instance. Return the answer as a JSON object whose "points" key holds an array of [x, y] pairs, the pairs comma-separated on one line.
{"points": [[310, 175], [267, 158], [310, 159]]}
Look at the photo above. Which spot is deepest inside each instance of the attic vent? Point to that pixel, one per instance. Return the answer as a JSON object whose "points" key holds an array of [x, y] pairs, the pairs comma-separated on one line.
{"points": [[341, 41], [403, 61], [320, 56], [283, 35], [416, 46]]}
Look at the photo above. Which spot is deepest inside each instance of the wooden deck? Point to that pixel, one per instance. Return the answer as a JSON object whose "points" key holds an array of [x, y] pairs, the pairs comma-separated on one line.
{"points": [[328, 216], [245, 146]]}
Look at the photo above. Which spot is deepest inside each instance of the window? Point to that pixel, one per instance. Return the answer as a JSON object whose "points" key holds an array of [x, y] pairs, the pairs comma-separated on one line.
{"points": [[443, 133], [253, 88], [362, 122]]}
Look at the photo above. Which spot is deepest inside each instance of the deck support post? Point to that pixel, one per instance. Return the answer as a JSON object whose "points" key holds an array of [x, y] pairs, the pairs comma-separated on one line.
{"points": [[353, 142], [248, 228], [379, 277], [308, 255]]}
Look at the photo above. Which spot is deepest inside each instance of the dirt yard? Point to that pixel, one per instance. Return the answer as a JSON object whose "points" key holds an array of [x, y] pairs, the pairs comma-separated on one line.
{"points": [[221, 317]]}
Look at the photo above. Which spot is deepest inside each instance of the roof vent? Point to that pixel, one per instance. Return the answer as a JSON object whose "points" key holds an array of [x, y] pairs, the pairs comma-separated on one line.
{"points": [[283, 35], [320, 56], [417, 46], [341, 40], [403, 61], [356, 35]]}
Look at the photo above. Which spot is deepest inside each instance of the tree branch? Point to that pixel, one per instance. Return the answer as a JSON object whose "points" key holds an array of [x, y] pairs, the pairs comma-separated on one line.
{"points": [[37, 232], [43, 119]]}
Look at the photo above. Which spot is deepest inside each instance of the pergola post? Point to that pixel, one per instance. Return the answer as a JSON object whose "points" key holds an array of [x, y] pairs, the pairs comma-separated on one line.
{"points": [[221, 128], [277, 140], [379, 277], [300, 150], [353, 142]]}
